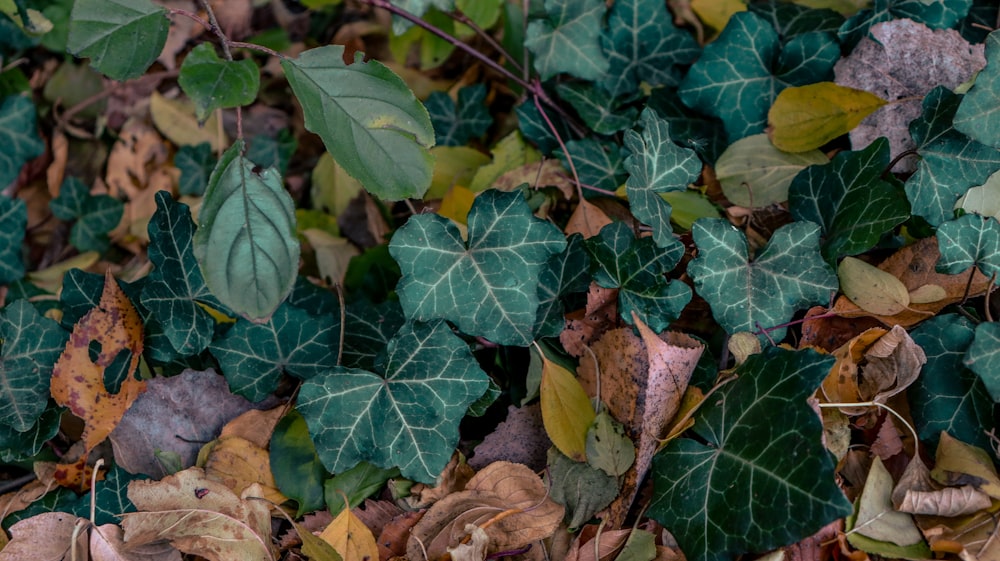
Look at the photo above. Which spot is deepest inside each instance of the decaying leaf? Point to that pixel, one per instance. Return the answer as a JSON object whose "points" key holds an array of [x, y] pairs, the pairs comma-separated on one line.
{"points": [[950, 501], [876, 517], [44, 537], [959, 464], [871, 288], [350, 537]]}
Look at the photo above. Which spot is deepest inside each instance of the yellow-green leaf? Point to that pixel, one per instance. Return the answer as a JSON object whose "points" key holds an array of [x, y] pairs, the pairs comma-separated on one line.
{"points": [[807, 117], [871, 288], [566, 410]]}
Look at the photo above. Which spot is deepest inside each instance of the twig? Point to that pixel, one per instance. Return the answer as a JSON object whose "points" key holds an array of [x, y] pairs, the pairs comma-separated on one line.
{"points": [[464, 20]]}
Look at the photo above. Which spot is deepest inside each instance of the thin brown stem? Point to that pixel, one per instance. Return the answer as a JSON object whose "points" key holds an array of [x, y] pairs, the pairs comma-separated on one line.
{"points": [[217, 30], [986, 303], [464, 20], [254, 47]]}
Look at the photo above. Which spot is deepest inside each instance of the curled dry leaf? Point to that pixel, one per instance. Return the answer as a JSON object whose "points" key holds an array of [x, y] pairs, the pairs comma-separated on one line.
{"points": [[950, 501], [107, 544], [586, 326], [44, 536], [508, 501]]}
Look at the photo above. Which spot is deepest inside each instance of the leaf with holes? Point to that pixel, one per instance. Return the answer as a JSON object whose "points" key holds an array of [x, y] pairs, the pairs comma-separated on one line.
{"points": [[787, 275], [567, 39], [406, 414], [970, 240], [29, 345], [13, 220], [245, 243], [122, 38], [850, 200], [366, 116], [748, 483], [214, 83], [456, 123], [488, 287], [18, 136]]}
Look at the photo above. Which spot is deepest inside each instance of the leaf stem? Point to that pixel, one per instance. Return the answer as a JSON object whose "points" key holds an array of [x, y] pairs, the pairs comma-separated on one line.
{"points": [[255, 47], [464, 20], [913, 431], [986, 300], [217, 30]]}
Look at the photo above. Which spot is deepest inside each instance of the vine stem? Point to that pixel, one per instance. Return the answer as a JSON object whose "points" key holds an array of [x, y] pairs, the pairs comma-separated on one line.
{"points": [[913, 431]]}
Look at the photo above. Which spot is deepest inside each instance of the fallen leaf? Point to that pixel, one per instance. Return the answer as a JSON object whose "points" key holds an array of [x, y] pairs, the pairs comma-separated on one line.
{"points": [[107, 544], [44, 537], [876, 517], [959, 464], [871, 288], [238, 464], [587, 220], [547, 173], [950, 501], [586, 326], [176, 120], [350, 537], [594, 545], [520, 439], [566, 410], [806, 117]]}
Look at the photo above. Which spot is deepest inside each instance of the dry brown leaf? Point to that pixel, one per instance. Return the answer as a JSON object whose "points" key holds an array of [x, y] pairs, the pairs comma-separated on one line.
{"points": [[520, 439], [46, 537], [234, 17], [841, 385], [585, 326], [594, 545], [350, 537], [453, 478], [916, 477], [392, 539], [182, 30], [507, 500], [255, 425], [546, 173], [78, 382], [950, 501], [830, 333], [107, 544], [887, 442], [239, 463], [57, 169], [958, 463], [176, 120], [587, 220], [201, 517]]}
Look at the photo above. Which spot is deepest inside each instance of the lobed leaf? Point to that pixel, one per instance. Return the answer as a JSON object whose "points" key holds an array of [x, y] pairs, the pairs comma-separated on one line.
{"points": [[29, 346], [983, 357], [970, 240], [18, 136], [13, 220], [457, 123], [566, 40]]}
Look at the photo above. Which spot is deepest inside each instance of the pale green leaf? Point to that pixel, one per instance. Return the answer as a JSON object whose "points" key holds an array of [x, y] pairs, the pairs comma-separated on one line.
{"points": [[122, 38], [245, 243], [582, 489], [567, 39], [214, 83], [755, 174]]}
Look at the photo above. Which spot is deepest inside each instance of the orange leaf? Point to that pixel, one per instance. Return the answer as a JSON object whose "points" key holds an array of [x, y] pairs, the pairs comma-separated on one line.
{"points": [[350, 537], [112, 327]]}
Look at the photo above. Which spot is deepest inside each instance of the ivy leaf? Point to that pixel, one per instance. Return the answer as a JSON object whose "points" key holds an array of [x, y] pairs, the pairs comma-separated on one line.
{"points": [[95, 215], [790, 19], [417, 8], [983, 357], [656, 165], [705, 135], [254, 355], [245, 243], [637, 268], [563, 274], [969, 240], [599, 163], [950, 162], [68, 206], [29, 347], [13, 221], [122, 38], [404, 415], [272, 152], [366, 116], [745, 295], [978, 114], [17, 446], [18, 136], [644, 46], [534, 127], [457, 123], [489, 287], [749, 483], [936, 15], [568, 39], [947, 396], [849, 200], [597, 109], [175, 291], [214, 83], [368, 328], [196, 163], [740, 73]]}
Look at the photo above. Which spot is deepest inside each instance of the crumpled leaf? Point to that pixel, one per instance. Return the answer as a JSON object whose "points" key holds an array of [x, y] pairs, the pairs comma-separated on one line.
{"points": [[950, 501], [488, 286], [806, 117], [787, 274], [755, 174], [107, 543], [501, 488], [876, 518], [567, 39], [200, 517]]}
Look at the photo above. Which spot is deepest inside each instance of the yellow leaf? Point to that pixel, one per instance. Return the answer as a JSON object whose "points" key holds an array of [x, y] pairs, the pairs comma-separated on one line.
{"points": [[566, 410], [239, 463], [51, 278], [453, 165], [456, 204], [958, 463], [350, 537], [927, 293], [176, 120], [332, 188], [871, 288], [808, 117], [716, 13]]}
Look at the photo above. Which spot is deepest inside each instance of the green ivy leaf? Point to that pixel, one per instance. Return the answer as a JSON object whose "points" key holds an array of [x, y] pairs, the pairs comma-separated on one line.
{"points": [[947, 396], [366, 116], [849, 199], [122, 38], [196, 164], [638, 268], [740, 73], [978, 114], [245, 243], [745, 295], [644, 46], [29, 347], [68, 206], [969, 240], [656, 165], [983, 357], [110, 498], [950, 162], [704, 135], [101, 214], [563, 274], [368, 328], [298, 472], [18, 136], [534, 127], [272, 151], [404, 415], [19, 446], [568, 39], [213, 83], [936, 15], [457, 123], [749, 483], [175, 290], [597, 108], [489, 287], [13, 221], [254, 355], [790, 19], [599, 163]]}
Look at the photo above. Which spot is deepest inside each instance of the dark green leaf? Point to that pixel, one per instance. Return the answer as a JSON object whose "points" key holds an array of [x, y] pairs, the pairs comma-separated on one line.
{"points": [[254, 355], [111, 498], [983, 357], [122, 38], [950, 162], [704, 135], [488, 287], [73, 194], [792, 19], [101, 214], [245, 243], [565, 273], [17, 446], [175, 289], [357, 483], [59, 500], [213, 83], [298, 473], [787, 275], [407, 415], [272, 152], [13, 221], [196, 164], [597, 109], [978, 114], [18, 136], [751, 483], [947, 396], [936, 15], [536, 129], [849, 199], [643, 46], [314, 299], [637, 268], [366, 116], [981, 19], [31, 344], [599, 163], [568, 39], [367, 330], [657, 165], [740, 73], [457, 123], [971, 240], [373, 274]]}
